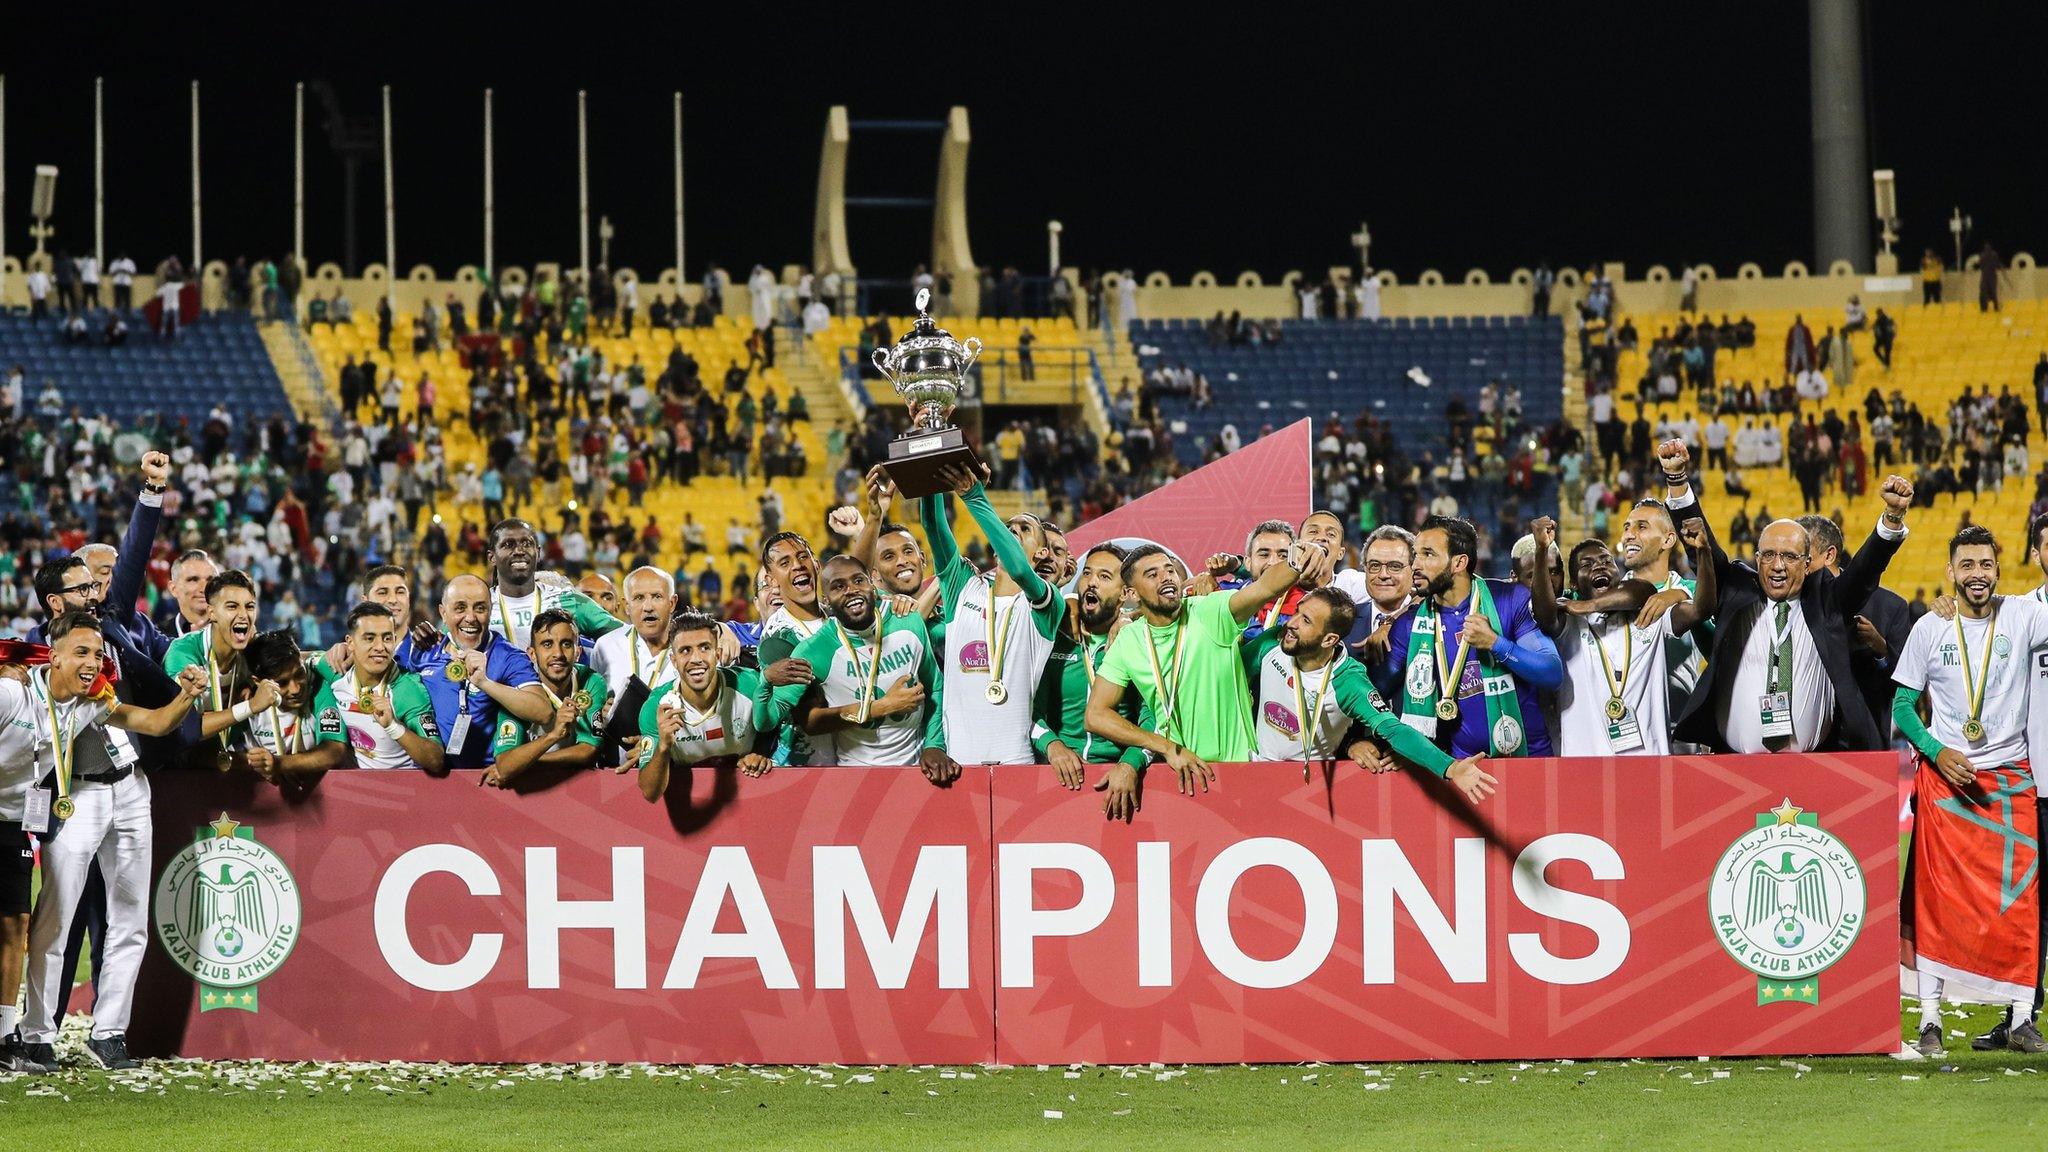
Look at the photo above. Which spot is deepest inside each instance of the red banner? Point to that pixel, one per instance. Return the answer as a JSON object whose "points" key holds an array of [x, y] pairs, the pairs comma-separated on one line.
{"points": [[1212, 508], [1625, 907]]}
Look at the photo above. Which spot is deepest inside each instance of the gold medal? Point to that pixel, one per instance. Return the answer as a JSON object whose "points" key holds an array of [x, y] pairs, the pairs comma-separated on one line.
{"points": [[1447, 709], [995, 692], [223, 760], [1975, 683], [457, 670], [1973, 730], [1615, 708], [581, 701], [64, 808]]}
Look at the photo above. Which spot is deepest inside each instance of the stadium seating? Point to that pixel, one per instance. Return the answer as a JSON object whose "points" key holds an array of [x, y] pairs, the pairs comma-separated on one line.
{"points": [[218, 360], [713, 500], [1940, 350], [1353, 366]]}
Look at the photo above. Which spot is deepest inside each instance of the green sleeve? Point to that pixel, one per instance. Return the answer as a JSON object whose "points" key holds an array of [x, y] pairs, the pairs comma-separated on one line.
{"points": [[1354, 697], [650, 712], [818, 651], [414, 710], [591, 722], [183, 653], [510, 734], [590, 619], [323, 672], [952, 568], [1906, 715], [328, 724], [774, 646], [935, 692], [1010, 555], [749, 683]]}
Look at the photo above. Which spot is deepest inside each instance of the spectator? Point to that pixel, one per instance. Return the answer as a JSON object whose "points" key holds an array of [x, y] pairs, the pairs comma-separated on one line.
{"points": [[1883, 331], [1931, 269], [1988, 268]]}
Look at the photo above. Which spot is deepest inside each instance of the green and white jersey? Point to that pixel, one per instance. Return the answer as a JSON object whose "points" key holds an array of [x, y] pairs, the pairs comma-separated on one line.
{"points": [[290, 733], [1683, 660], [409, 706], [512, 616], [1062, 705], [848, 670], [979, 730], [1339, 700], [512, 731], [721, 732], [781, 634]]}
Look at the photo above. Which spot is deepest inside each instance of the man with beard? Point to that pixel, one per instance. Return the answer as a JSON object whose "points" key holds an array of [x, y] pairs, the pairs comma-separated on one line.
{"points": [[294, 738], [513, 556], [1469, 661], [1182, 657], [890, 551], [1881, 628], [568, 738], [861, 647], [476, 676], [217, 650], [1266, 545], [42, 720], [1311, 698], [999, 625], [792, 571], [1389, 590], [1061, 734], [1649, 549], [1781, 634], [1057, 565], [1975, 905], [1614, 700], [390, 719], [704, 715]]}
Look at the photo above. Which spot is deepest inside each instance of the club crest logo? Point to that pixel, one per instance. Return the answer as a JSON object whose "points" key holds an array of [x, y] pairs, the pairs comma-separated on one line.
{"points": [[1507, 735], [1421, 678], [227, 912], [1787, 901]]}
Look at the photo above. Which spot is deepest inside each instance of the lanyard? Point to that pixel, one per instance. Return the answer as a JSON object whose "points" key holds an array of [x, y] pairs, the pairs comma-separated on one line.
{"points": [[996, 631], [1617, 686], [1975, 684], [1312, 716], [362, 694], [215, 683], [575, 686], [1167, 700], [867, 693], [1273, 611], [637, 644]]}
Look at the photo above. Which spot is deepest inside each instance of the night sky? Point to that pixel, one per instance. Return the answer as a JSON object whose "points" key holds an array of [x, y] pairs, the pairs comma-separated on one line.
{"points": [[1258, 139]]}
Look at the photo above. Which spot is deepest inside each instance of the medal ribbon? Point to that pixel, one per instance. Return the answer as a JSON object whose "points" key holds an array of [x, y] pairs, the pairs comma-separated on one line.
{"points": [[1310, 717], [867, 695], [1975, 684], [216, 689], [1617, 685], [1447, 679], [996, 631], [61, 742], [1167, 700]]}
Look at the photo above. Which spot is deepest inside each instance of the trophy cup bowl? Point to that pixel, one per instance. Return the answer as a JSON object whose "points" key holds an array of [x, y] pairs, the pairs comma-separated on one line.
{"points": [[928, 368]]}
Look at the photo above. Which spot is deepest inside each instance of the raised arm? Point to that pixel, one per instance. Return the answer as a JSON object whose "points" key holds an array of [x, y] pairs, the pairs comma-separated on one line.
{"points": [[1274, 582], [1542, 597], [125, 586], [1009, 554], [1860, 576], [1706, 590]]}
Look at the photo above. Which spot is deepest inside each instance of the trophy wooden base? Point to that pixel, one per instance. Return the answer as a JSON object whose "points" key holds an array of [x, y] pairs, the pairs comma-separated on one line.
{"points": [[916, 459]]}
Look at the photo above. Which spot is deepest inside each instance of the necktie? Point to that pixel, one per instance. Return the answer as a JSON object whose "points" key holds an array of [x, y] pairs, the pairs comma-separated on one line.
{"points": [[1781, 667]]}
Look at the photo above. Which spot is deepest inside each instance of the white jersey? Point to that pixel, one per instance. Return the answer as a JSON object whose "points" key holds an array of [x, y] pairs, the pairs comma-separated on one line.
{"points": [[622, 656], [979, 731], [2037, 697], [1933, 663], [1280, 707], [374, 748], [28, 738], [889, 743], [1351, 582], [512, 616], [724, 729], [1584, 728]]}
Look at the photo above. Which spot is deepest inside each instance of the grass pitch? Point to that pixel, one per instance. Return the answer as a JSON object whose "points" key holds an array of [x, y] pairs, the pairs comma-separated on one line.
{"points": [[1969, 1100]]}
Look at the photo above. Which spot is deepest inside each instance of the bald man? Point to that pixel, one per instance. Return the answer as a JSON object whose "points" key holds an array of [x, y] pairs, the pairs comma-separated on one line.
{"points": [[599, 588], [474, 677], [638, 652], [1781, 636]]}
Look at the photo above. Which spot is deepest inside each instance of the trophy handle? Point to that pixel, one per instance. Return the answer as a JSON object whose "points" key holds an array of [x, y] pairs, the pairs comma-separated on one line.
{"points": [[880, 358], [972, 347]]}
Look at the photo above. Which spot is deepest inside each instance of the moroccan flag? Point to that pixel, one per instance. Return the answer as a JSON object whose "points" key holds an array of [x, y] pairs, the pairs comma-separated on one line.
{"points": [[1976, 865]]}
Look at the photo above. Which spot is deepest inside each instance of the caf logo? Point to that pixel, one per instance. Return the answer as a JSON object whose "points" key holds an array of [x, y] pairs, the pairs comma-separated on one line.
{"points": [[227, 912], [1787, 900]]}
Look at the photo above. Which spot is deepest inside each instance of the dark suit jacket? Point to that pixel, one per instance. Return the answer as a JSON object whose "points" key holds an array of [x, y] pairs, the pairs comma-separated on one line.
{"points": [[1827, 602], [1893, 618]]}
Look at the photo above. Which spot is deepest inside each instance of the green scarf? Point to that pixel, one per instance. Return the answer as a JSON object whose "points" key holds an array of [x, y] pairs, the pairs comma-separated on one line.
{"points": [[1504, 732]]}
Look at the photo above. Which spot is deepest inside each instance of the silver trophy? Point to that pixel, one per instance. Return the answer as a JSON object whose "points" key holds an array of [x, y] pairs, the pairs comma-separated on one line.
{"points": [[928, 368]]}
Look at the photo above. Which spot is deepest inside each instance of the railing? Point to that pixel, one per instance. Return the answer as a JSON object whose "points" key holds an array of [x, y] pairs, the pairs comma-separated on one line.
{"points": [[998, 376]]}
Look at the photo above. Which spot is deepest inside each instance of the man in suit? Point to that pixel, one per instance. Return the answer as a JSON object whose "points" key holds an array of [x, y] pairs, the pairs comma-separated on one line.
{"points": [[1880, 629], [1781, 637]]}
